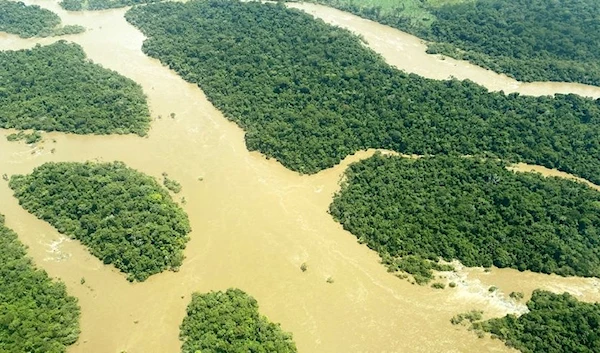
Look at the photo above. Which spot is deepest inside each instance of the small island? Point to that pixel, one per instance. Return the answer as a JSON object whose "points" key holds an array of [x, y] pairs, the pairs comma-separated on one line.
{"points": [[28, 21], [123, 216], [56, 88], [230, 322], [473, 210]]}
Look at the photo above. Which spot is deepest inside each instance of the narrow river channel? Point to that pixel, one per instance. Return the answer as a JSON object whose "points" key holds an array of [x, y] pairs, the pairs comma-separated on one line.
{"points": [[254, 222]]}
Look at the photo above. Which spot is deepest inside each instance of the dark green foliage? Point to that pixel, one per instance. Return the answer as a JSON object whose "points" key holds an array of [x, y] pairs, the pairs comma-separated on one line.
{"points": [[55, 88], [556, 323], [36, 314], [125, 217], [530, 40], [80, 5], [309, 94], [472, 210], [30, 21], [229, 322], [28, 138]]}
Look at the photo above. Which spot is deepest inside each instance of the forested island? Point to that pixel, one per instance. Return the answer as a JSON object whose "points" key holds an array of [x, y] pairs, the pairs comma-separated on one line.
{"points": [[555, 323], [473, 210], [230, 322], [123, 216], [81, 5], [309, 94], [56, 88], [530, 40], [32, 21], [36, 314]]}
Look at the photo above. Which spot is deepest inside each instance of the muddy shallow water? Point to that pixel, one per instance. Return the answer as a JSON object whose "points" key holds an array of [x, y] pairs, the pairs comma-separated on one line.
{"points": [[254, 223]]}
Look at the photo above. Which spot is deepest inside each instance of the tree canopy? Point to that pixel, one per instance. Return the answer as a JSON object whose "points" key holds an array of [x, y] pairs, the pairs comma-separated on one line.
{"points": [[55, 88], [31, 21], [530, 40], [555, 323], [473, 210], [36, 314], [230, 322], [309, 94], [81, 5], [123, 216]]}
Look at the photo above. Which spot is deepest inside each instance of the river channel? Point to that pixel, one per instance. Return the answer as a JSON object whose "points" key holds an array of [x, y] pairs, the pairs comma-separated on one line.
{"points": [[254, 222]]}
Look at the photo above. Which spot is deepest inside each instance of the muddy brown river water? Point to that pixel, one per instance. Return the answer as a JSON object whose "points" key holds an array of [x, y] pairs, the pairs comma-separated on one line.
{"points": [[254, 222]]}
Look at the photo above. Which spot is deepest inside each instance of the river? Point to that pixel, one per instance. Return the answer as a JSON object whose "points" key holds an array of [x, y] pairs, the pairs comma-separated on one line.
{"points": [[254, 223]]}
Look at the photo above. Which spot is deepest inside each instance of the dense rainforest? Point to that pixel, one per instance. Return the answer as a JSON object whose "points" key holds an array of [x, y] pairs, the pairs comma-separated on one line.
{"points": [[229, 322], [555, 323], [530, 40], [81, 5], [36, 314], [309, 94], [123, 216], [55, 88], [31, 20], [473, 210]]}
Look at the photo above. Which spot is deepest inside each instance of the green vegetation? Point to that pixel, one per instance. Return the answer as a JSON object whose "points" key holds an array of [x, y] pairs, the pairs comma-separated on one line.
{"points": [[471, 316], [55, 88], [29, 138], [421, 269], [32, 21], [309, 94], [438, 285], [472, 210], [530, 40], [171, 184], [36, 314], [230, 322], [413, 16], [124, 217], [517, 295], [555, 323], [81, 5]]}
